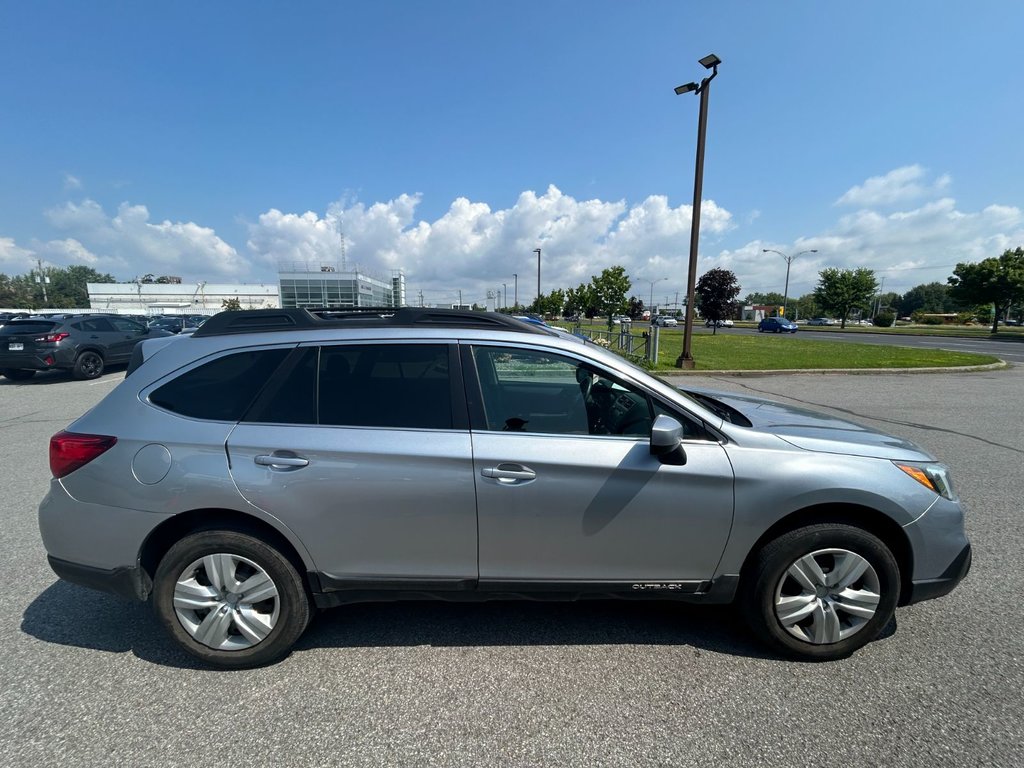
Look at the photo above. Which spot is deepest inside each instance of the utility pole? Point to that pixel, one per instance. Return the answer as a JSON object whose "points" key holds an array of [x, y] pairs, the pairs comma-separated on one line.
{"points": [[515, 292], [42, 279], [537, 251], [504, 304]]}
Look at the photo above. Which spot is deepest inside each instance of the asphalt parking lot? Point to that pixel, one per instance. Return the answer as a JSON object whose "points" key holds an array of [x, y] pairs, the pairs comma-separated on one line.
{"points": [[90, 680]]}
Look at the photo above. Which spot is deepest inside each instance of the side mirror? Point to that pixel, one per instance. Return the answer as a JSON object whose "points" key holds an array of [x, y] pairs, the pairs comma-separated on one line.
{"points": [[666, 441]]}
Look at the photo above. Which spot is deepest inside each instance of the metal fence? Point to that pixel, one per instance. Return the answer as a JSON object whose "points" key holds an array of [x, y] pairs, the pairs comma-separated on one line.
{"points": [[635, 346]]}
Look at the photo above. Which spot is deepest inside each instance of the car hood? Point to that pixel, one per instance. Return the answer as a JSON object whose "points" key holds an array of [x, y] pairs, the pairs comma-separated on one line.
{"points": [[814, 431]]}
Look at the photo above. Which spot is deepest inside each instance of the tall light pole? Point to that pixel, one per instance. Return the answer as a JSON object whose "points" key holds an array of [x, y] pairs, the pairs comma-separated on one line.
{"points": [[685, 360], [504, 304], [653, 283], [789, 261], [515, 292], [537, 251]]}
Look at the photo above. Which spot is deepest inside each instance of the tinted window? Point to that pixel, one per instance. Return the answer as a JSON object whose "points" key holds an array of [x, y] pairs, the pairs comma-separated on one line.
{"points": [[221, 389], [290, 396], [95, 325], [386, 385], [531, 391], [27, 326], [129, 326]]}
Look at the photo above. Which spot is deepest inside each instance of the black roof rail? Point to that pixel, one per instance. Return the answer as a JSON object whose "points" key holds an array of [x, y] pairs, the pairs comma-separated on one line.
{"points": [[267, 320]]}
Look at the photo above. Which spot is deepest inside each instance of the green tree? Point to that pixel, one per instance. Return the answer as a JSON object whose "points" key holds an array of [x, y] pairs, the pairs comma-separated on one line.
{"points": [[232, 304], [841, 290], [927, 297], [609, 291], [805, 306], [636, 308], [716, 290], [68, 286], [770, 299], [998, 283]]}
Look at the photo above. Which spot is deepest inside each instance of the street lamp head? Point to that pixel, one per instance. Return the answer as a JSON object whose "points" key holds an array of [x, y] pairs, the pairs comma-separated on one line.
{"points": [[709, 61], [536, 250], [681, 89]]}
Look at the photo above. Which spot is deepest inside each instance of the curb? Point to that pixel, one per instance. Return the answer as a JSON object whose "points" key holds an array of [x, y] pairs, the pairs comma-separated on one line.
{"points": [[837, 371]]}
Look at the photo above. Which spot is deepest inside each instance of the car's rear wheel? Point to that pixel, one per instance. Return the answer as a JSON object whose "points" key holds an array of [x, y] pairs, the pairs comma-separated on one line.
{"points": [[18, 374], [230, 599], [88, 365], [821, 592]]}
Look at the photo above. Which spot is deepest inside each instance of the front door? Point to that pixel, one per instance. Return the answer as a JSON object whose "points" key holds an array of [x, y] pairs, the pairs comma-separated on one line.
{"points": [[568, 494]]}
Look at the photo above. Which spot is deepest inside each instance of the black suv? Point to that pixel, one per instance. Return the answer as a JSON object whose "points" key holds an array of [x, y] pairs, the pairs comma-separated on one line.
{"points": [[82, 344]]}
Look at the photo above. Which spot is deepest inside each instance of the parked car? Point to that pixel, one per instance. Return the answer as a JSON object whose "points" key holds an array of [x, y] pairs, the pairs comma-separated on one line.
{"points": [[173, 323], [82, 344], [664, 321], [274, 462], [777, 325], [718, 323]]}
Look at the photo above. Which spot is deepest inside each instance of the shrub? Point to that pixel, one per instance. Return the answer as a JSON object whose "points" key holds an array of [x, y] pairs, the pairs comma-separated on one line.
{"points": [[884, 319], [931, 321], [964, 318]]}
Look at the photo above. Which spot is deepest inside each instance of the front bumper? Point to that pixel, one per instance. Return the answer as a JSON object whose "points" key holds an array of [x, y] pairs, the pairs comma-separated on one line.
{"points": [[927, 589]]}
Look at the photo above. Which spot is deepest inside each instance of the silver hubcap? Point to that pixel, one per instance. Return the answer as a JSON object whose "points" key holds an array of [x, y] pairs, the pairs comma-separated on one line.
{"points": [[827, 596], [226, 602]]}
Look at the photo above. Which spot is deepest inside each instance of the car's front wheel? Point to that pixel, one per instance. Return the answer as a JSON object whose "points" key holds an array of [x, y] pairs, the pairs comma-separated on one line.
{"points": [[821, 592], [18, 374], [230, 599]]}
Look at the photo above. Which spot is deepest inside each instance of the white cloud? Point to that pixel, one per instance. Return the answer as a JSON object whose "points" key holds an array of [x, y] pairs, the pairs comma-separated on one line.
{"points": [[129, 239], [15, 260], [71, 182], [898, 186], [474, 247]]}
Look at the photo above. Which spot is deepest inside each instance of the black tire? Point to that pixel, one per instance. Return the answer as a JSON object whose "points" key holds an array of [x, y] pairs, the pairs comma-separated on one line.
{"points": [[88, 365], [18, 374], [290, 605], [764, 579]]}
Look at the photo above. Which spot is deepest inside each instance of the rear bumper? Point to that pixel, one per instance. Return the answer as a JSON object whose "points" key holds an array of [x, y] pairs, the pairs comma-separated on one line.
{"points": [[132, 583], [927, 589], [35, 361]]}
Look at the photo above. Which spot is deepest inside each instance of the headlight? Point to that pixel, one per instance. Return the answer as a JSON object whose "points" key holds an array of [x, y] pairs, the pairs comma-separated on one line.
{"points": [[934, 477]]}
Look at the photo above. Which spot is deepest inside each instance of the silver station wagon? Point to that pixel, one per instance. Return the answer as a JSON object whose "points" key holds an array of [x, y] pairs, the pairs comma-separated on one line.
{"points": [[279, 461]]}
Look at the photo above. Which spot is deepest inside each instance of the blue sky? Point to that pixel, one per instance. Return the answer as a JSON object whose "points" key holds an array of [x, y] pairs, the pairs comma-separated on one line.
{"points": [[450, 139]]}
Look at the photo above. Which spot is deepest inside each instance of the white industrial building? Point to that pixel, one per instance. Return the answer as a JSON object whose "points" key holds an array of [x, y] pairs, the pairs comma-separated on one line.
{"points": [[179, 298], [300, 284], [331, 285]]}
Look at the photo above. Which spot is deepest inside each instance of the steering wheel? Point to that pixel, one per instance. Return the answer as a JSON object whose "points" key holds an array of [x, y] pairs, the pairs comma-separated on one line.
{"points": [[586, 381]]}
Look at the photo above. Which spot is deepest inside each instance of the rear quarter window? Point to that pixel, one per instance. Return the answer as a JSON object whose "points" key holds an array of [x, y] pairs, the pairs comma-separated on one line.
{"points": [[222, 389]]}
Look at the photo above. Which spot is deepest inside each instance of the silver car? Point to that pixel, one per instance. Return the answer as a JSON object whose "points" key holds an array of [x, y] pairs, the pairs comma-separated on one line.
{"points": [[277, 461]]}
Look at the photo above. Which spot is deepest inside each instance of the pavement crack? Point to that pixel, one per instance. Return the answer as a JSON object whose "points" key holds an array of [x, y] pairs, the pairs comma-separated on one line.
{"points": [[884, 420]]}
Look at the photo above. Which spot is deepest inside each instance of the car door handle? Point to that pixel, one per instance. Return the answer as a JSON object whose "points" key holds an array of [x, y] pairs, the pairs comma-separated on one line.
{"points": [[509, 474], [281, 460]]}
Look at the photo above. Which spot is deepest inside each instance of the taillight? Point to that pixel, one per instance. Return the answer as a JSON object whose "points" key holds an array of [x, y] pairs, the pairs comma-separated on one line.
{"points": [[54, 337], [70, 451]]}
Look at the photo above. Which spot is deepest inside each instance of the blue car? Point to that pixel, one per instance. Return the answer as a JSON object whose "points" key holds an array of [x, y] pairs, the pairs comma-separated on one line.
{"points": [[777, 325]]}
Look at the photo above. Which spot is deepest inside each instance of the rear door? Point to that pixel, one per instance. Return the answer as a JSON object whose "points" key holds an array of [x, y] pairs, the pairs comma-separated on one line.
{"points": [[127, 333], [364, 451]]}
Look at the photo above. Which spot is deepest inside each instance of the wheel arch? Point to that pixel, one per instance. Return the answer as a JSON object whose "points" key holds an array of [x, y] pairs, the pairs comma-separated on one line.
{"points": [[165, 535], [887, 530]]}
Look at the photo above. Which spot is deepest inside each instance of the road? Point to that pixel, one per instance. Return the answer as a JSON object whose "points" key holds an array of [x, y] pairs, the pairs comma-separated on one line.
{"points": [[89, 680]]}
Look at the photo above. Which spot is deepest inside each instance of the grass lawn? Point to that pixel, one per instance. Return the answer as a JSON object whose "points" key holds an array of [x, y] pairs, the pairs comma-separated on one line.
{"points": [[725, 352]]}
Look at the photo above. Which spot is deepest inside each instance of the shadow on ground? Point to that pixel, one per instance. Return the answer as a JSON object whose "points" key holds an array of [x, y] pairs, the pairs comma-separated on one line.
{"points": [[69, 615]]}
